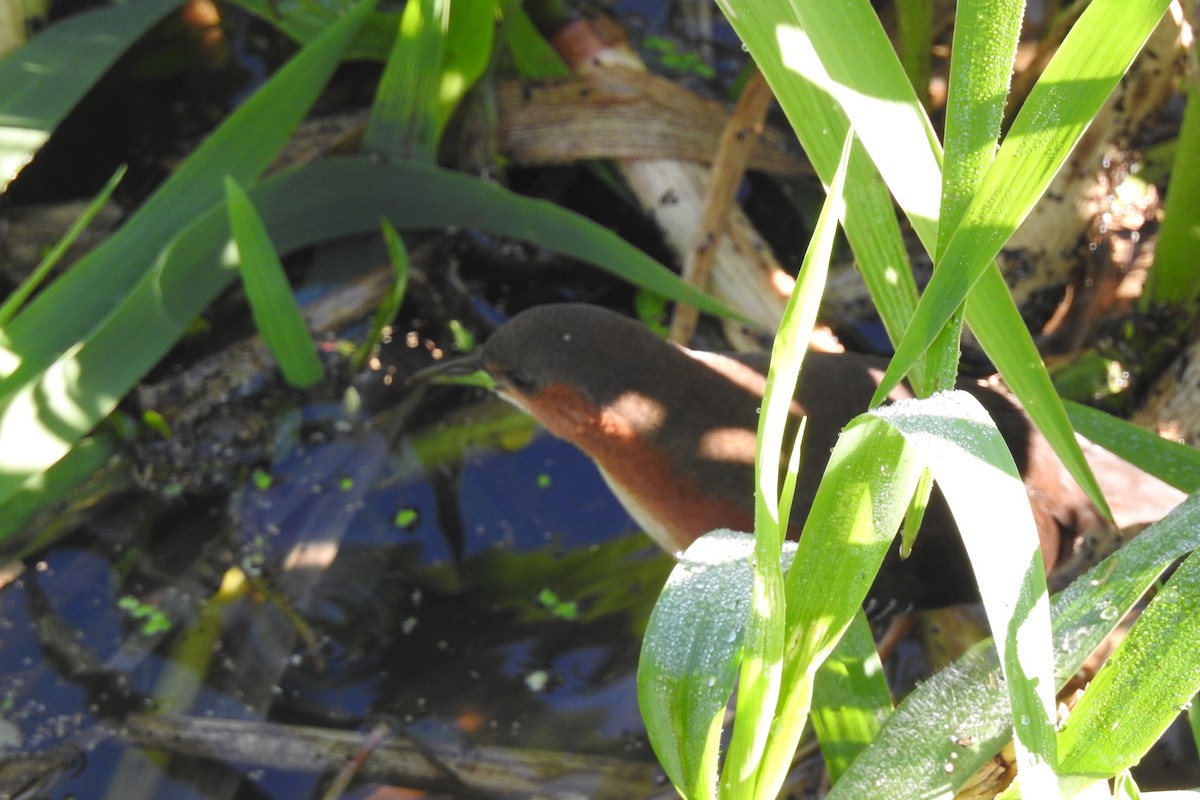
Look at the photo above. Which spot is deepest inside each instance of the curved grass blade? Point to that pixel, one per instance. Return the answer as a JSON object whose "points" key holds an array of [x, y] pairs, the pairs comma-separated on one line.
{"points": [[390, 305], [242, 146], [955, 722], [961, 446], [276, 313], [1070, 92], [338, 197], [1171, 462]]}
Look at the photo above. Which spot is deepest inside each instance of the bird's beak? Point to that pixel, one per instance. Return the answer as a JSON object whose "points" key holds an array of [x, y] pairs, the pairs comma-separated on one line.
{"points": [[465, 371]]}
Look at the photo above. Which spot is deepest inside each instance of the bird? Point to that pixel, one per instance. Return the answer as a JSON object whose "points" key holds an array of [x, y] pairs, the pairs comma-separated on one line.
{"points": [[673, 431]]}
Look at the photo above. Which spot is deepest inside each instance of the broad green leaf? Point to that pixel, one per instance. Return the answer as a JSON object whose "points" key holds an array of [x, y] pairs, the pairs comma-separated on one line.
{"points": [[961, 446], [272, 303], [1151, 676], [47, 77], [762, 661], [337, 197], [955, 722], [850, 698], [690, 656], [1172, 462], [242, 147]]}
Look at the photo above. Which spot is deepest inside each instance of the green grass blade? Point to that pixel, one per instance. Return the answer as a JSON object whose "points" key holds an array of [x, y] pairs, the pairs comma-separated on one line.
{"points": [[958, 720], [1173, 279], [49, 411], [1172, 462], [864, 75], [850, 698], [242, 147], [981, 63], [390, 305], [997, 324], [853, 521], [272, 303], [404, 119], [914, 32], [1070, 92], [1151, 676], [47, 77], [762, 661], [22, 293], [690, 655], [870, 221], [961, 445]]}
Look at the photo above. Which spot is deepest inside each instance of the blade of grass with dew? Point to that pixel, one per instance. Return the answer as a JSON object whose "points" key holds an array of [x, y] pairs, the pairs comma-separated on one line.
{"points": [[274, 307], [242, 146], [1172, 462], [28, 286], [762, 660], [390, 305], [853, 521], [986, 33], [404, 115], [961, 445], [439, 53], [850, 698], [690, 654], [868, 82], [1147, 681], [955, 722], [48, 77], [1173, 279], [1065, 99], [803, 89], [336, 197]]}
